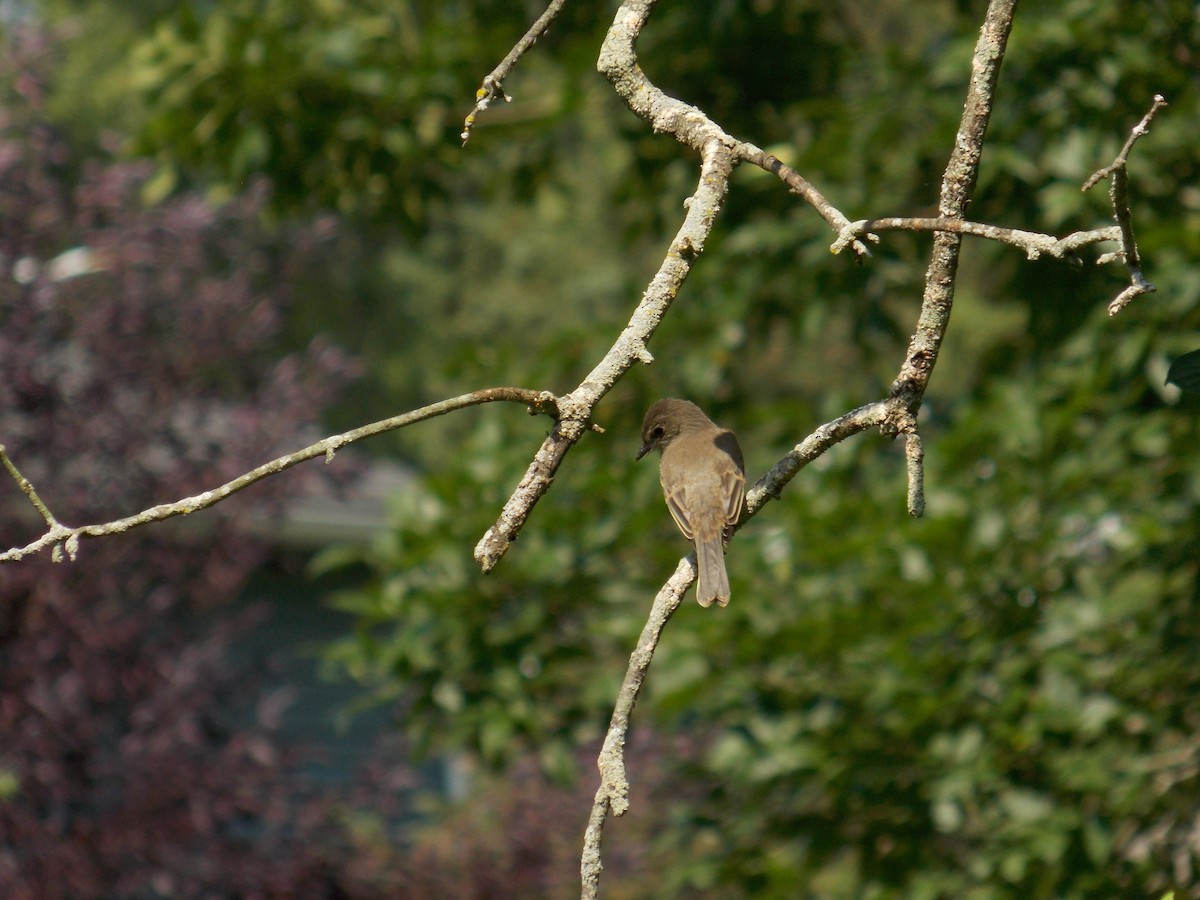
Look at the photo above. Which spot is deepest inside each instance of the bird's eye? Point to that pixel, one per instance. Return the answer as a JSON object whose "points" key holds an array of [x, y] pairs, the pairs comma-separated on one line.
{"points": [[656, 432]]}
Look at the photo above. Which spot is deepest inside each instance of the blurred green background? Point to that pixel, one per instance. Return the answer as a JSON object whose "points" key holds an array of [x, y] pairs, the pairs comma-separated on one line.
{"points": [[997, 700]]}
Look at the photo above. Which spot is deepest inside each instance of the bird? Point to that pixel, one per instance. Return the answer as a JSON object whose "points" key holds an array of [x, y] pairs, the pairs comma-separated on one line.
{"points": [[704, 483]]}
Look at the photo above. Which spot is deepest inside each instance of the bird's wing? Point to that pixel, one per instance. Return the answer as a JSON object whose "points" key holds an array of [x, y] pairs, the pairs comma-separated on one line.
{"points": [[733, 478], [677, 504]]}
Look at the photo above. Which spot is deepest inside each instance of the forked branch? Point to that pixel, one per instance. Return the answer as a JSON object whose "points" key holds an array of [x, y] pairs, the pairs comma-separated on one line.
{"points": [[897, 415], [1036, 244]]}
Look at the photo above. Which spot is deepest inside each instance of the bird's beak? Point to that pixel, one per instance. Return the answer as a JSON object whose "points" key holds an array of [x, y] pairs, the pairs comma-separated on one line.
{"points": [[646, 448]]}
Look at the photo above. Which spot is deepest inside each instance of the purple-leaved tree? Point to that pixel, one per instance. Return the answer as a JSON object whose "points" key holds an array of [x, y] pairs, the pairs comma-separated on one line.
{"points": [[139, 361]]}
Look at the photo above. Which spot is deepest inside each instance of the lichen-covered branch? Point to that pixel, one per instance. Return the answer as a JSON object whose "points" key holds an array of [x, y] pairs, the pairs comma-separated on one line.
{"points": [[686, 123], [896, 415], [800, 186], [720, 153], [64, 537], [612, 796], [629, 348], [957, 184], [771, 485], [1122, 161], [1034, 243], [26, 488], [618, 63], [613, 793]]}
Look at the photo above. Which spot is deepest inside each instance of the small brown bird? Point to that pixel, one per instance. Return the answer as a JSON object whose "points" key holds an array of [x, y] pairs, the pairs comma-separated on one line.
{"points": [[704, 482]]}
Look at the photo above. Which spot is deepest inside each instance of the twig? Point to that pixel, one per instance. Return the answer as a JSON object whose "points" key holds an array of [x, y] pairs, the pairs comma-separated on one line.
{"points": [[26, 488], [1122, 160], [1034, 243], [612, 796], [771, 485], [1138, 286], [686, 123], [61, 537], [1118, 171], [914, 455], [493, 82]]}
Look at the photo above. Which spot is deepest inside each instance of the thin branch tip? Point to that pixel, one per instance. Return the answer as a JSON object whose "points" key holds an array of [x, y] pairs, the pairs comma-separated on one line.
{"points": [[492, 85], [1121, 162]]}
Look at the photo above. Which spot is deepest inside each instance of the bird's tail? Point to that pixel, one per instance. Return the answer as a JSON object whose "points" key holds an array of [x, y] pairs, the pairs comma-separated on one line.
{"points": [[712, 581]]}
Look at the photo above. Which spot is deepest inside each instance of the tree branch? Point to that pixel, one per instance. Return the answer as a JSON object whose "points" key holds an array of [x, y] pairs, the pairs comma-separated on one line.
{"points": [[613, 793], [1118, 171], [895, 415], [493, 82], [1035, 243], [612, 796], [629, 348], [618, 63], [800, 186], [66, 537], [957, 184], [719, 153], [686, 123]]}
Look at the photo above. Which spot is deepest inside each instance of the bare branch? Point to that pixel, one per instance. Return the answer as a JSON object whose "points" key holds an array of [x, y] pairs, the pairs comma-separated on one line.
{"points": [[612, 796], [629, 348], [957, 184], [493, 82], [1034, 243], [1138, 286], [1118, 172], [613, 793], [771, 485], [895, 415], [65, 537], [1122, 160], [686, 123], [26, 487], [719, 153]]}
